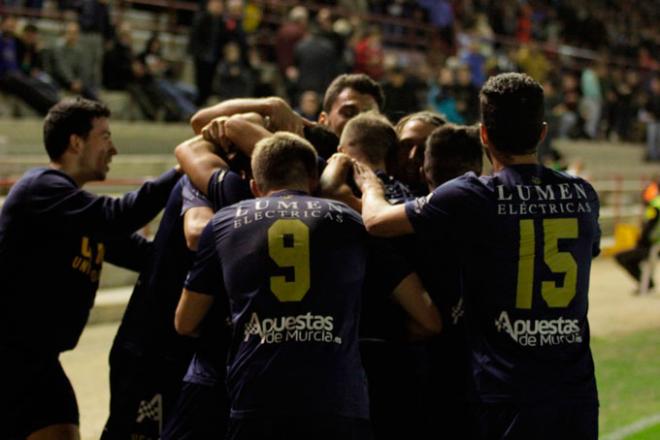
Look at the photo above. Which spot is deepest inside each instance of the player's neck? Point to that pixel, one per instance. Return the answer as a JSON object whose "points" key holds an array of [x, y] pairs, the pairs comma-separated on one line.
{"points": [[501, 161], [71, 170], [301, 188]]}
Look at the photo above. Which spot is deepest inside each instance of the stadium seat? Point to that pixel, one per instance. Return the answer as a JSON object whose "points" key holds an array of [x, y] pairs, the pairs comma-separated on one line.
{"points": [[648, 269]]}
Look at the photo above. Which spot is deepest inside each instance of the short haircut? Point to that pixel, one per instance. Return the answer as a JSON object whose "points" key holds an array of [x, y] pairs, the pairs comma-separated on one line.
{"points": [[372, 134], [67, 117], [428, 117], [512, 112], [283, 159], [451, 151], [359, 82]]}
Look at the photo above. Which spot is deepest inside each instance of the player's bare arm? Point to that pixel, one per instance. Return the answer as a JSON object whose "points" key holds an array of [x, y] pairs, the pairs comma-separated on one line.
{"points": [[278, 111], [380, 218], [412, 296], [194, 221], [190, 312], [198, 159], [333, 182]]}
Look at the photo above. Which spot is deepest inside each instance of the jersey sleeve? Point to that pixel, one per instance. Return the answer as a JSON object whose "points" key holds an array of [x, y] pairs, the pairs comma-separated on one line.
{"points": [[227, 187], [57, 202], [130, 252], [429, 215], [205, 275], [192, 197]]}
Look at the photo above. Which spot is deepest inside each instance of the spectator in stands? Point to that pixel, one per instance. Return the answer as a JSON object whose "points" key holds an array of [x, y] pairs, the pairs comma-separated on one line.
{"points": [[309, 105], [369, 54], [33, 59], [533, 62], [441, 15], [400, 93], [326, 30], [467, 95], [13, 80], [441, 96], [316, 63], [70, 66], [288, 35], [591, 104], [177, 99], [208, 35], [234, 77], [95, 29], [118, 59], [651, 117]]}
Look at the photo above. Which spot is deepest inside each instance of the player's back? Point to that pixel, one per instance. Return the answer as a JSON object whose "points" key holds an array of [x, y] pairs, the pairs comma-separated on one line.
{"points": [[525, 238], [293, 267]]}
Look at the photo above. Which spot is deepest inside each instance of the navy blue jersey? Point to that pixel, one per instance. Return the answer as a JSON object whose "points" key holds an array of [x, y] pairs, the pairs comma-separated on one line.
{"points": [[523, 240], [52, 247], [208, 364], [395, 191], [148, 323], [292, 267]]}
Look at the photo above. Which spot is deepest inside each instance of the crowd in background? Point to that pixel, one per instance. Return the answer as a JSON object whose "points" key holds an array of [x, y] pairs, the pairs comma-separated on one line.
{"points": [[598, 60]]}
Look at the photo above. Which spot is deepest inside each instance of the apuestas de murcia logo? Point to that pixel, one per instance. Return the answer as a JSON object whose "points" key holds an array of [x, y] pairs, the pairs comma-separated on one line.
{"points": [[540, 332], [300, 328]]}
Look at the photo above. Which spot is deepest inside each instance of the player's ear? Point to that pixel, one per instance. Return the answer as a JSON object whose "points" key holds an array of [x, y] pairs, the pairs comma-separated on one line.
{"points": [[255, 188], [544, 132], [75, 143], [323, 118], [341, 149], [483, 135]]}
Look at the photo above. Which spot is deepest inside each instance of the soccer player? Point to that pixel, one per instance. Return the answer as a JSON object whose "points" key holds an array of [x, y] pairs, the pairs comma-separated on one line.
{"points": [[524, 239], [368, 138], [347, 96], [450, 151], [292, 267], [54, 237], [413, 130], [148, 358]]}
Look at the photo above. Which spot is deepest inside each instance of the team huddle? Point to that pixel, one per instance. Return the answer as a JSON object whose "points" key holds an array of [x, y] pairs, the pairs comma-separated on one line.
{"points": [[338, 279]]}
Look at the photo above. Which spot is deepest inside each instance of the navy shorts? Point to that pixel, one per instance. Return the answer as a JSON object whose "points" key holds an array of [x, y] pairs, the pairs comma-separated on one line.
{"points": [[143, 389], [546, 421], [300, 428], [35, 394], [202, 412]]}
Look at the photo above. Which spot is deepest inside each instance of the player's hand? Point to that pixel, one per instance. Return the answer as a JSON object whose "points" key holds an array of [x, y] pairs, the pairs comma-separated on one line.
{"points": [[365, 178], [215, 133], [283, 118], [335, 175]]}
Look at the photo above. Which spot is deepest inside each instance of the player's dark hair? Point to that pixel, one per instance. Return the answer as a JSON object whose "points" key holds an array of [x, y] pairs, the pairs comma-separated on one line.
{"points": [[372, 134], [283, 159], [512, 112], [324, 140], [359, 82], [428, 117], [67, 117], [451, 151]]}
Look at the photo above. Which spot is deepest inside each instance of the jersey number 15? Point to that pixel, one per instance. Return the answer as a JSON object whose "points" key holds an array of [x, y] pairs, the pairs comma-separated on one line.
{"points": [[558, 262]]}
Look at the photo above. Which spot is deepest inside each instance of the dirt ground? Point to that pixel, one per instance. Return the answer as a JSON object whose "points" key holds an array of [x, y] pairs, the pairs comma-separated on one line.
{"points": [[613, 310]]}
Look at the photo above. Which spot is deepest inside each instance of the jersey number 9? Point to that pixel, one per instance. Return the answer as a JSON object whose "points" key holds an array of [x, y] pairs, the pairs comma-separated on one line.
{"points": [[288, 246]]}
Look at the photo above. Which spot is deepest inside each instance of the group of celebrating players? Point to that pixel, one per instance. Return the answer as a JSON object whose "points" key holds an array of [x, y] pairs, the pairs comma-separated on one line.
{"points": [[338, 279]]}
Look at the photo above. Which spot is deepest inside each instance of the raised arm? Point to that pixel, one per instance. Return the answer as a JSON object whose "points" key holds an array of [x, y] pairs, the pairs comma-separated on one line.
{"points": [[333, 182], [380, 218], [56, 201], [274, 109], [198, 159]]}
